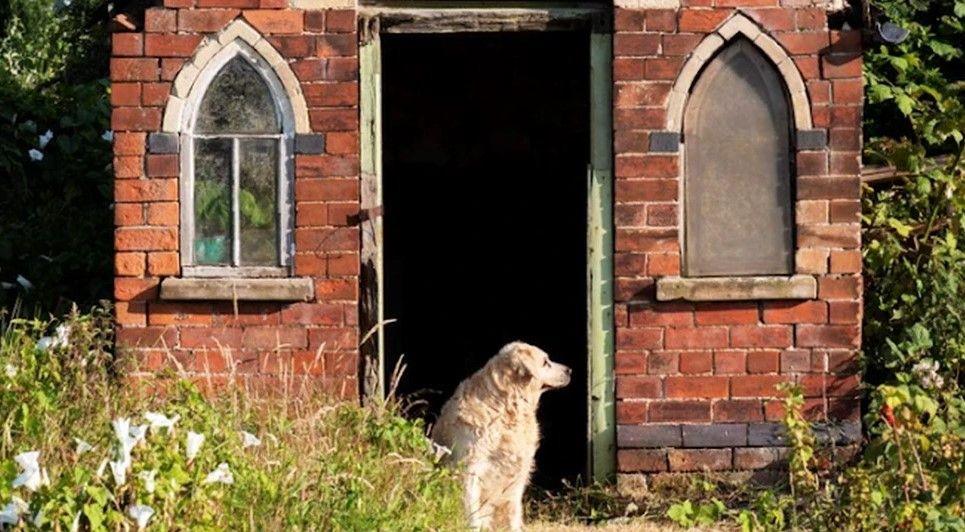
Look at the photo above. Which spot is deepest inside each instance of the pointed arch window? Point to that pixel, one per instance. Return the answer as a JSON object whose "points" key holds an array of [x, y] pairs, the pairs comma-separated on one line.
{"points": [[236, 187], [738, 203]]}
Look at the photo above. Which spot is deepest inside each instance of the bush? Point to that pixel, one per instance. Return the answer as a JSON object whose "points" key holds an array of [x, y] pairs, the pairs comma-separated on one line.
{"points": [[319, 464], [55, 154]]}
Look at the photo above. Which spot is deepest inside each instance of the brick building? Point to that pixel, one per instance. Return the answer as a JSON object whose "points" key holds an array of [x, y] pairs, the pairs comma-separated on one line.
{"points": [[664, 194]]}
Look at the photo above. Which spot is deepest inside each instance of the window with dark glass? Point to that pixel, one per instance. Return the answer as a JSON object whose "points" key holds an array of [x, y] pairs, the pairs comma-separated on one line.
{"points": [[738, 204]]}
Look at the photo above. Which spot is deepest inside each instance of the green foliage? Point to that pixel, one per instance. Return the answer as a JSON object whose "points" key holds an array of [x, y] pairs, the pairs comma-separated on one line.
{"points": [[55, 213], [687, 515], [320, 464]]}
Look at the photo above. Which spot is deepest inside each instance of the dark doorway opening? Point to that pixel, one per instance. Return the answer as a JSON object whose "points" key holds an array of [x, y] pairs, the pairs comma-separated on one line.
{"points": [[485, 153]]}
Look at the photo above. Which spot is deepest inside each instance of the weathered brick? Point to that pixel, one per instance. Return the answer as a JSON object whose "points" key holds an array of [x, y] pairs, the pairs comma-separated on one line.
{"points": [[134, 69], [138, 190], [679, 411], [743, 410], [755, 385], [796, 312], [275, 21], [760, 336], [157, 20], [762, 361], [715, 435], [686, 460], [760, 457], [130, 44], [730, 362], [629, 436], [129, 264], [729, 313], [163, 263], [638, 387], [205, 20], [765, 434], [696, 337], [145, 239], [696, 387], [662, 363], [701, 21], [171, 45], [641, 460], [828, 336]]}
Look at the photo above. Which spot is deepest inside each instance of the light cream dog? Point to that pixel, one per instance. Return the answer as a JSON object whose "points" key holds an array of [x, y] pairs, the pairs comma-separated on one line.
{"points": [[490, 426]]}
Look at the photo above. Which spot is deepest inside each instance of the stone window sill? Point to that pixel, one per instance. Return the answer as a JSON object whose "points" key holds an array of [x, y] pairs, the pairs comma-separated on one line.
{"points": [[228, 289], [736, 288]]}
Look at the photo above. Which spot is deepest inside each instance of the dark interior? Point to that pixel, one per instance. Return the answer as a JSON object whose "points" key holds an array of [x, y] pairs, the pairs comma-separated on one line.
{"points": [[485, 150]]}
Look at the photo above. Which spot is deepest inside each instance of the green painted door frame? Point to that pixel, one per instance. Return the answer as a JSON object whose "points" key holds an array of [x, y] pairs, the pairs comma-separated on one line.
{"points": [[601, 429]]}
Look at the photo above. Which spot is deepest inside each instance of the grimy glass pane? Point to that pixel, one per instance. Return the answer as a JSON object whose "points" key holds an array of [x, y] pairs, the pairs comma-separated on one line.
{"points": [[237, 101], [737, 183], [258, 201], [212, 202]]}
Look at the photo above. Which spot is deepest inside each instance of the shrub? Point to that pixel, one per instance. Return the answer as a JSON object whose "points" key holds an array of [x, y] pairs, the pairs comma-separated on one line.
{"points": [[319, 463]]}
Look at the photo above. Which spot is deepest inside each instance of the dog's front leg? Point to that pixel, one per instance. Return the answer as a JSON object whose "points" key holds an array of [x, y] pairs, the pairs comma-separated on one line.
{"points": [[516, 505], [472, 500]]}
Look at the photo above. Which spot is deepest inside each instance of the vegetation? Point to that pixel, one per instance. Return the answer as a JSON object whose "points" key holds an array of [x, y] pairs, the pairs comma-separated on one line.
{"points": [[110, 453]]}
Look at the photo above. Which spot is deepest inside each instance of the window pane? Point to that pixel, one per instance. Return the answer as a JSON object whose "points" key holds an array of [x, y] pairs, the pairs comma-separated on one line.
{"points": [[738, 204], [212, 202], [238, 101], [259, 202]]}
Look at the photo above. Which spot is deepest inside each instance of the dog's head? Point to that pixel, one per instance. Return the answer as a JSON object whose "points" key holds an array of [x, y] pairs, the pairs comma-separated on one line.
{"points": [[532, 367]]}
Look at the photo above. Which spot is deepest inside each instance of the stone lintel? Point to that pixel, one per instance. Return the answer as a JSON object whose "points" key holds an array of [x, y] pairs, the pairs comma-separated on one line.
{"points": [[736, 288], [227, 289]]}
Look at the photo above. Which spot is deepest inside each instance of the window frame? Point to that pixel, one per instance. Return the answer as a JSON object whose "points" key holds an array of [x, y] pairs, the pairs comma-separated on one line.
{"points": [[285, 170]]}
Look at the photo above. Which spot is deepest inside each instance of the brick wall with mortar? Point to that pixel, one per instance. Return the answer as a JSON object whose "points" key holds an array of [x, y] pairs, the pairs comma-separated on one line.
{"points": [[695, 382], [317, 338]]}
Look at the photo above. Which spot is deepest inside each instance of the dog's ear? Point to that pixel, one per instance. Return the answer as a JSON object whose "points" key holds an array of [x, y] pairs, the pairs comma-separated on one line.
{"points": [[519, 359]]}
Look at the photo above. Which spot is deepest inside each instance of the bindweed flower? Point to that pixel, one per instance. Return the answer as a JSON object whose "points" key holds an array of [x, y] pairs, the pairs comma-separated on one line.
{"points": [[44, 140], [927, 373], [160, 421], [82, 447], [25, 283], [36, 155], [10, 370], [108, 135], [119, 470], [44, 343], [147, 477], [249, 440], [122, 431], [31, 476], [38, 519], [61, 335], [141, 514], [138, 433], [10, 515], [221, 475], [193, 444], [438, 451], [101, 468], [75, 525]]}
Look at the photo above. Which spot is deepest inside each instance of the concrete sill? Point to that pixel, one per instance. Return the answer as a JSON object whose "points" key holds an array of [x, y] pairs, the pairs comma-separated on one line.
{"points": [[227, 289], [736, 288]]}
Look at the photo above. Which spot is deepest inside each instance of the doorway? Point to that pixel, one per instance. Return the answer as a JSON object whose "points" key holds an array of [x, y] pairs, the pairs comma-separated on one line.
{"points": [[485, 146]]}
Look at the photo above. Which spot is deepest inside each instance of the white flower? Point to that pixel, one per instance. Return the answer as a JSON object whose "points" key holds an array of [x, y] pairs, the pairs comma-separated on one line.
{"points": [[31, 476], [38, 518], [101, 468], [44, 140], [82, 446], [119, 470], [438, 451], [10, 515], [27, 285], [108, 135], [194, 442], [147, 477], [927, 373], [75, 525], [160, 421], [44, 343], [141, 514], [221, 474], [249, 440], [35, 155], [122, 431], [138, 433], [10, 370], [61, 335]]}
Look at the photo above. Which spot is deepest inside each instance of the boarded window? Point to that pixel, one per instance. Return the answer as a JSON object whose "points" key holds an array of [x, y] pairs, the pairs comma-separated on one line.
{"points": [[737, 190]]}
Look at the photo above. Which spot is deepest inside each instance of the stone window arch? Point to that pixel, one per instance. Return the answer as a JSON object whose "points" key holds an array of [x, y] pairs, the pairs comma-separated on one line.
{"points": [[237, 107], [738, 194]]}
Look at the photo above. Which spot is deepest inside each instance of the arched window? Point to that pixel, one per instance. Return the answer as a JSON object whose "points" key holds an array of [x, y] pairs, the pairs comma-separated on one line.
{"points": [[738, 202], [235, 188]]}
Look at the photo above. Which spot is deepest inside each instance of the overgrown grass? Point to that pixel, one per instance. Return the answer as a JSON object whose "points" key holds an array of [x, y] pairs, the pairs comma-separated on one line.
{"points": [[320, 465]]}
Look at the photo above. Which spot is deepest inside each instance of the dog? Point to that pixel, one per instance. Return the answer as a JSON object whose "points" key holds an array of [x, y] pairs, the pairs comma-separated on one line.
{"points": [[490, 427]]}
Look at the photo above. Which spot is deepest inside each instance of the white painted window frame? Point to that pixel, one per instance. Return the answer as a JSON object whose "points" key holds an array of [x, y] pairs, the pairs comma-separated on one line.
{"points": [[286, 168]]}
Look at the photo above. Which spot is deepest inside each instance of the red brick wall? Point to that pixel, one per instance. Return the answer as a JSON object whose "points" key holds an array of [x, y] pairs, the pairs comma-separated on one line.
{"points": [[696, 382], [319, 337]]}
